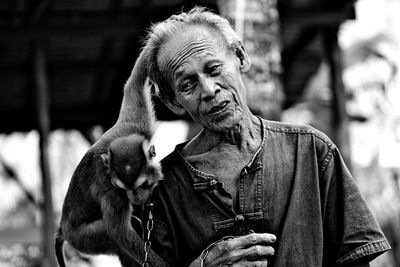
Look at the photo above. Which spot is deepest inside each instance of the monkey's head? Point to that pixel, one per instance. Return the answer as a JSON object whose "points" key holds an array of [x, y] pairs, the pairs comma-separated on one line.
{"points": [[129, 163]]}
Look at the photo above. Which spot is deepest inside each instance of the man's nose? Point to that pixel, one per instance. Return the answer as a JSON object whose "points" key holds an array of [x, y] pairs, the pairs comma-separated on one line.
{"points": [[209, 88]]}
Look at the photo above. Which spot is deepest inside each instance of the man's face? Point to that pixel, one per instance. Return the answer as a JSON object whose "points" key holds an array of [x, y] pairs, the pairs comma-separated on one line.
{"points": [[205, 77]]}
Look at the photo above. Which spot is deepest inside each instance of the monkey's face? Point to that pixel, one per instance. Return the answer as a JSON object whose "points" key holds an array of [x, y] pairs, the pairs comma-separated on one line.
{"points": [[128, 168], [139, 181], [148, 179], [129, 164]]}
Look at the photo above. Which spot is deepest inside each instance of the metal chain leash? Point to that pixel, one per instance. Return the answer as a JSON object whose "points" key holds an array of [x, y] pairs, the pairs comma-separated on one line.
{"points": [[149, 228]]}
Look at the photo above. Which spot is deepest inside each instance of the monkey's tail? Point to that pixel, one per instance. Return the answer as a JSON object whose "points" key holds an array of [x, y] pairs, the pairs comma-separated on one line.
{"points": [[59, 243]]}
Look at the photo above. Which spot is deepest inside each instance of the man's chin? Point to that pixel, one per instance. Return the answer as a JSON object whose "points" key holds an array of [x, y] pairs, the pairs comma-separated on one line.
{"points": [[223, 125]]}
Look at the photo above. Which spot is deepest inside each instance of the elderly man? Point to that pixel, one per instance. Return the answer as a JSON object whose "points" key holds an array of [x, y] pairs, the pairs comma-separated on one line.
{"points": [[246, 191]]}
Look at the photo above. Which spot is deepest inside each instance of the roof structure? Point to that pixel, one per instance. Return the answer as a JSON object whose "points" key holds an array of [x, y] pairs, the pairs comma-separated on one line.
{"points": [[87, 48]]}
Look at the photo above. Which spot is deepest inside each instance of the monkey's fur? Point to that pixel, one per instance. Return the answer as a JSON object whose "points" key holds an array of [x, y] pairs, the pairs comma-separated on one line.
{"points": [[96, 216]]}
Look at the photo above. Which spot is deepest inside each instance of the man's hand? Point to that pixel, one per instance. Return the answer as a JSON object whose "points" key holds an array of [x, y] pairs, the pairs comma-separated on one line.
{"points": [[250, 250]]}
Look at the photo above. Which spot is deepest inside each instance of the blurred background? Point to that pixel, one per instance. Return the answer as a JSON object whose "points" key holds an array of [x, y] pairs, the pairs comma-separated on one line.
{"points": [[329, 63]]}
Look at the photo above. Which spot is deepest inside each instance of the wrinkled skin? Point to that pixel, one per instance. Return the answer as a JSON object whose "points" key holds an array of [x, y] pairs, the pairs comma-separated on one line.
{"points": [[206, 78]]}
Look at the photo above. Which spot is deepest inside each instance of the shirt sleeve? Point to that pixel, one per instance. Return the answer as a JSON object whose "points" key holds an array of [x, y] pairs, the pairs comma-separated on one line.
{"points": [[351, 233]]}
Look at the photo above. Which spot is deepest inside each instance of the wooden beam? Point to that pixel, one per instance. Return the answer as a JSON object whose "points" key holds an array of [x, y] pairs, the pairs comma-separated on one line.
{"points": [[131, 52], [2, 50], [123, 21], [114, 8], [146, 8], [320, 18], [38, 11], [98, 89], [43, 119], [79, 29], [340, 118], [12, 11], [59, 65], [66, 16], [293, 50], [104, 57]]}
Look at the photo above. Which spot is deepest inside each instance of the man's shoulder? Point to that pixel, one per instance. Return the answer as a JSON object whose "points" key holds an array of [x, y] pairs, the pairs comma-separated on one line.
{"points": [[286, 130], [175, 167], [174, 157]]}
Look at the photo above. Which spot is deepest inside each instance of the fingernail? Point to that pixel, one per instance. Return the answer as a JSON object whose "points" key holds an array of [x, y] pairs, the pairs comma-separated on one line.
{"points": [[273, 238]]}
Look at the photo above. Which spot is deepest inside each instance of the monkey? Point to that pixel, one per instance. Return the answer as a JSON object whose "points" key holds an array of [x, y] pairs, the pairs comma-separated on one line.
{"points": [[131, 175], [95, 213]]}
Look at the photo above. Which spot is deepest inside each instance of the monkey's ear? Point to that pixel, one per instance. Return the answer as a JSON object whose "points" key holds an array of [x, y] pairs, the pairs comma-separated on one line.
{"points": [[106, 159], [242, 56], [148, 150], [152, 152]]}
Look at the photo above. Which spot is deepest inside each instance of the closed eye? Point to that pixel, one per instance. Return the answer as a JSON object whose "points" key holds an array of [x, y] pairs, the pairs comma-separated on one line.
{"points": [[188, 85], [215, 69]]}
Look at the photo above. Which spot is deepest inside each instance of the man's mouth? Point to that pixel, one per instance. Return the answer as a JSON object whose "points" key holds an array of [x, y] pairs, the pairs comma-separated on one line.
{"points": [[217, 108]]}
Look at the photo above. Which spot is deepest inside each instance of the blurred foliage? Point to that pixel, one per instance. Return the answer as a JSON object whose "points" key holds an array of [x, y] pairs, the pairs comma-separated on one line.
{"points": [[19, 255]]}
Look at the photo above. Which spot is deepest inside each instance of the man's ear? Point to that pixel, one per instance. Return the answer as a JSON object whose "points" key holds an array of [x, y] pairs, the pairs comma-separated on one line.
{"points": [[242, 56], [175, 107]]}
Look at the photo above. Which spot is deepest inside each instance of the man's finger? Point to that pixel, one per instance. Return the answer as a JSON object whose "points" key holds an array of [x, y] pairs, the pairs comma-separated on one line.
{"points": [[263, 263], [258, 251], [254, 239], [253, 253], [254, 246]]}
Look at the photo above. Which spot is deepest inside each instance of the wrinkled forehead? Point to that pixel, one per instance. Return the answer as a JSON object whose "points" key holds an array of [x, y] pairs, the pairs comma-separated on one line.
{"points": [[191, 41]]}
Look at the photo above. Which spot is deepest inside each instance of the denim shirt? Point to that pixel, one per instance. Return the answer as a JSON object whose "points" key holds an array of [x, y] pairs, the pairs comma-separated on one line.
{"points": [[297, 187]]}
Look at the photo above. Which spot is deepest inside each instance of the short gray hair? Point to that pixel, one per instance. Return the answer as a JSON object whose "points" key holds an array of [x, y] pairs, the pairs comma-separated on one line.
{"points": [[161, 32]]}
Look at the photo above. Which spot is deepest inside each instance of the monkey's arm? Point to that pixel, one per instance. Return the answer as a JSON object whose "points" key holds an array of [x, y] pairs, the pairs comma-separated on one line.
{"points": [[136, 104], [117, 216], [82, 224], [92, 238]]}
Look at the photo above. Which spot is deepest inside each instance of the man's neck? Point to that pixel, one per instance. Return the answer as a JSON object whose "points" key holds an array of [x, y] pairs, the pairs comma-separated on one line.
{"points": [[246, 136]]}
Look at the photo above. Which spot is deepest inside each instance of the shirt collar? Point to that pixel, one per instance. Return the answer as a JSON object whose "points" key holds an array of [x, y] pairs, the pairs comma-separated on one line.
{"points": [[201, 177]]}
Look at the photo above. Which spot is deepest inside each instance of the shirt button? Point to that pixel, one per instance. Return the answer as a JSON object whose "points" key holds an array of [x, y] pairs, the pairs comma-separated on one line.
{"points": [[239, 219]]}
